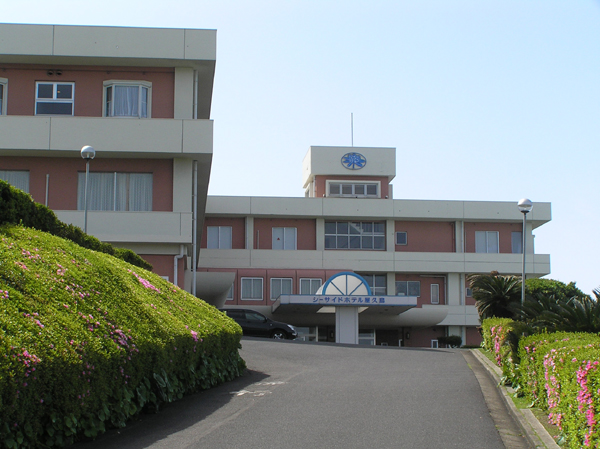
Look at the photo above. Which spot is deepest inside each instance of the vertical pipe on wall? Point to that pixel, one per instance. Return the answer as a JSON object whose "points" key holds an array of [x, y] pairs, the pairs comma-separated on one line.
{"points": [[47, 183], [194, 228], [175, 265], [195, 112]]}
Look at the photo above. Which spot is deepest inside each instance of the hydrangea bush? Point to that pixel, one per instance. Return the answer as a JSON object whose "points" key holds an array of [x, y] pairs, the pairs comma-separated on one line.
{"points": [[88, 341]]}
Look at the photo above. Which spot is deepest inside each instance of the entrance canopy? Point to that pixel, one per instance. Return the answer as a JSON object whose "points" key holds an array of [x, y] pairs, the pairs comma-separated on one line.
{"points": [[345, 289]]}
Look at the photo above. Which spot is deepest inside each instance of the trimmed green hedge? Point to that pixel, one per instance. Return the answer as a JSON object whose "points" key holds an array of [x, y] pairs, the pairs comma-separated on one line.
{"points": [[557, 371], [560, 372], [17, 207], [87, 341]]}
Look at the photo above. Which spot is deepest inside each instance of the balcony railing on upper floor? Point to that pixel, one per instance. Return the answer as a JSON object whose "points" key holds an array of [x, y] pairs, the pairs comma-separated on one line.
{"points": [[25, 135]]}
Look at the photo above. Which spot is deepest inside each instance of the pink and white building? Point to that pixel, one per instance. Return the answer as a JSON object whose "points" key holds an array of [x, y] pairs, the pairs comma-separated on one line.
{"points": [[142, 99]]}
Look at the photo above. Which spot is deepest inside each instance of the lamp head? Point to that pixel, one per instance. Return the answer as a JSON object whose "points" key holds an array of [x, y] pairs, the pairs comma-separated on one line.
{"points": [[525, 205], [88, 152]]}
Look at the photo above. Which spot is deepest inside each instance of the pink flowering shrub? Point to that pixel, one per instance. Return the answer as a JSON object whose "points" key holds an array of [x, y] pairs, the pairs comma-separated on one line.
{"points": [[560, 371], [496, 333], [88, 341]]}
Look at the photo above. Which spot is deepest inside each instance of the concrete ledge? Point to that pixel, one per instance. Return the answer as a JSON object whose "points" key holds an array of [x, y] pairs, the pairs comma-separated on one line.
{"points": [[534, 431]]}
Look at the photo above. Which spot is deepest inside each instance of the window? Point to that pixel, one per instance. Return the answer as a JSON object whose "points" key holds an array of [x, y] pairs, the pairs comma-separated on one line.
{"points": [[377, 282], [408, 288], [469, 292], [54, 98], [280, 286], [435, 293], [252, 288], [218, 237], [230, 294], [310, 286], [16, 178], [361, 235], [284, 238], [353, 189], [486, 242], [3, 83], [401, 238], [434, 344], [127, 99], [516, 240], [116, 191], [366, 337]]}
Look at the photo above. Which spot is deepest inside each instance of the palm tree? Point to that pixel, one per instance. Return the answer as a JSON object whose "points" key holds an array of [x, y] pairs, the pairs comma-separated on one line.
{"points": [[495, 295]]}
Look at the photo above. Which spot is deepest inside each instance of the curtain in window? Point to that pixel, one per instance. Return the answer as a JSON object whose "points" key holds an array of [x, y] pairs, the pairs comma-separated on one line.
{"points": [[101, 191], [140, 191], [16, 178], [126, 101]]}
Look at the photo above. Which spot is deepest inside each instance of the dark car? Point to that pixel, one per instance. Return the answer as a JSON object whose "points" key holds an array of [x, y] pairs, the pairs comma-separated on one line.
{"points": [[255, 324]]}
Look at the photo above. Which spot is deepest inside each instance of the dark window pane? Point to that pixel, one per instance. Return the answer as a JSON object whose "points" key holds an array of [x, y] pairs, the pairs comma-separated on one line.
{"points": [[342, 242], [55, 108], [330, 242], [367, 242], [367, 227], [355, 228], [401, 288], [359, 189], [371, 189], [401, 238], [346, 189], [378, 228], [45, 91], [380, 280], [342, 228], [334, 189], [64, 91], [414, 288], [379, 242], [330, 227], [354, 242]]}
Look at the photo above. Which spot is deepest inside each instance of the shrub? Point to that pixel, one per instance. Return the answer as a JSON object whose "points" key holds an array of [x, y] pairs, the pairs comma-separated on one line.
{"points": [[17, 207], [87, 341], [560, 373], [454, 341]]}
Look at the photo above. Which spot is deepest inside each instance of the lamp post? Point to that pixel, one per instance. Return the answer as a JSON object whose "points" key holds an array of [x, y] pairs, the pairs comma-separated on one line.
{"points": [[88, 153], [525, 207]]}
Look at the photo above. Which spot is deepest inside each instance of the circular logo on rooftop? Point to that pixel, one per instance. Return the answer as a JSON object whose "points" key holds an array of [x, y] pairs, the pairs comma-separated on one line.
{"points": [[354, 161]]}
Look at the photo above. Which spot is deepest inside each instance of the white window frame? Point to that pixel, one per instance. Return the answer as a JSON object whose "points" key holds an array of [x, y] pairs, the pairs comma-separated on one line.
{"points": [[3, 95], [491, 237], [376, 289], [469, 292], [435, 293], [355, 232], [55, 99], [410, 285], [229, 296], [222, 241], [353, 187], [311, 282], [281, 280], [398, 233], [140, 84], [16, 178], [289, 241], [434, 344], [253, 280]]}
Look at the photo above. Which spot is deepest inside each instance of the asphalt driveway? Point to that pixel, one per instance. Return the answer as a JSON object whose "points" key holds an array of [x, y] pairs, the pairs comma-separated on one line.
{"points": [[301, 395]]}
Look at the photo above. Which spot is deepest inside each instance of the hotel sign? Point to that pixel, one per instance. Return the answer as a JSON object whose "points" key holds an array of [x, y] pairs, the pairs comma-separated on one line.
{"points": [[357, 301]]}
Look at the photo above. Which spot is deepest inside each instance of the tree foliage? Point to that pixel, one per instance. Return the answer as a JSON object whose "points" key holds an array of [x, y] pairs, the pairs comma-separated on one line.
{"points": [[495, 295]]}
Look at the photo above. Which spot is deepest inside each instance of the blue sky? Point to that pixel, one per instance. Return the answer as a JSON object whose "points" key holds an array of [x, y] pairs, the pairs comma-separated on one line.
{"points": [[484, 100]]}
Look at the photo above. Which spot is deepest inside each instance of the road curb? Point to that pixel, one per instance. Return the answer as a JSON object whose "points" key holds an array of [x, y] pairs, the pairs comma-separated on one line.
{"points": [[535, 433]]}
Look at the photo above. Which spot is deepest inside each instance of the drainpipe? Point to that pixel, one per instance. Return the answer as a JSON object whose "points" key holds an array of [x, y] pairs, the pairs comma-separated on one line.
{"points": [[195, 112], [175, 263], [194, 228]]}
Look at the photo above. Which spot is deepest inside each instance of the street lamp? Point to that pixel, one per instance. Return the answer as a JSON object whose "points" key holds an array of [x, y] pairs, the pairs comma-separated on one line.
{"points": [[525, 207], [88, 153]]}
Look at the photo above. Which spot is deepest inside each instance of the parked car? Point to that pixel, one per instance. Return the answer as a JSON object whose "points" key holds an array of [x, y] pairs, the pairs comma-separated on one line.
{"points": [[255, 324]]}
